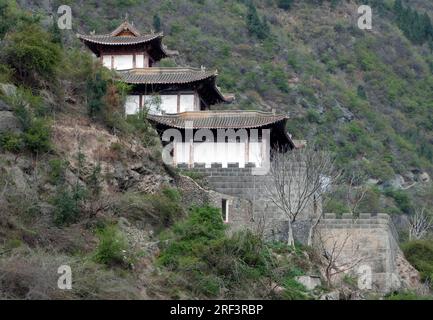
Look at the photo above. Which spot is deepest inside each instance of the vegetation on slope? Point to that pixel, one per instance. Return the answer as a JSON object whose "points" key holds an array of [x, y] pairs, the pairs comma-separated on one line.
{"points": [[204, 262], [367, 96]]}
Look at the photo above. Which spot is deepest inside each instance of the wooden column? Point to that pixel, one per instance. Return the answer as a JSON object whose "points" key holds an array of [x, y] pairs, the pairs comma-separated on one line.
{"points": [[140, 103], [247, 150], [178, 103], [191, 153]]}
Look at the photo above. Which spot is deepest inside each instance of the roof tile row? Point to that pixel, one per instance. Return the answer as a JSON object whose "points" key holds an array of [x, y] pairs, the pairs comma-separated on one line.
{"points": [[218, 119]]}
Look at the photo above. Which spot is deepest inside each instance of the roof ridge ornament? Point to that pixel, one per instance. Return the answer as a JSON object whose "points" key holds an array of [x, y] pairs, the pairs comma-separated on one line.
{"points": [[125, 26]]}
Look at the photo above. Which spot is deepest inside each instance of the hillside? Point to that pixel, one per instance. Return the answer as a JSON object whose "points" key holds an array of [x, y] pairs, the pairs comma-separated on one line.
{"points": [[365, 95], [80, 183]]}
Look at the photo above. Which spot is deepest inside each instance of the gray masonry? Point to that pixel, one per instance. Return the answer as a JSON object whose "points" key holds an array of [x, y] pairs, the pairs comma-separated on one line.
{"points": [[370, 241], [367, 243], [262, 214]]}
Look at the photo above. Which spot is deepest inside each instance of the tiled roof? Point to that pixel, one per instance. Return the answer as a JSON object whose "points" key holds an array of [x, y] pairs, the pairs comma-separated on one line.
{"points": [[165, 75], [125, 27], [218, 119], [119, 40]]}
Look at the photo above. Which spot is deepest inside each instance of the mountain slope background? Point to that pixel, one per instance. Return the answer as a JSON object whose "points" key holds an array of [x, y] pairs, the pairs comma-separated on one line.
{"points": [[366, 95], [82, 185]]}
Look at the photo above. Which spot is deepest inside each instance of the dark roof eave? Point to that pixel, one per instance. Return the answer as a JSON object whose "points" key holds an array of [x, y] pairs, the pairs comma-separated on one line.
{"points": [[118, 41], [163, 120]]}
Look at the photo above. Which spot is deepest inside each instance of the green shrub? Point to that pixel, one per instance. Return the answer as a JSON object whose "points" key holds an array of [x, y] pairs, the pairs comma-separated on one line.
{"points": [[37, 137], [256, 26], [12, 17], [198, 251], [57, 171], [285, 4], [32, 54], [11, 142], [196, 176], [172, 194], [161, 209], [5, 73], [96, 90], [401, 199], [313, 116], [420, 254], [407, 295], [36, 126], [335, 206], [112, 247], [67, 205]]}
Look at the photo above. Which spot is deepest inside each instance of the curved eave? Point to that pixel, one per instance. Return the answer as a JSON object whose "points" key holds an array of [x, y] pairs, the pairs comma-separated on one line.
{"points": [[118, 41], [94, 43], [279, 123], [169, 120], [130, 77]]}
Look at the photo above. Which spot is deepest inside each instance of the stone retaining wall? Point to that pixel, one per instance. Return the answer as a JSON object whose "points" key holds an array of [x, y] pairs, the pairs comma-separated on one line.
{"points": [[368, 241], [240, 183]]}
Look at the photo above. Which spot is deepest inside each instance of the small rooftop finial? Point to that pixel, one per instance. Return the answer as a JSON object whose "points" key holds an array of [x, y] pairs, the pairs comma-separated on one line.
{"points": [[126, 17]]}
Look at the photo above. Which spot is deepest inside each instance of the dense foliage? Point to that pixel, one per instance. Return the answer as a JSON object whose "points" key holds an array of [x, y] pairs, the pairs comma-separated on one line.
{"points": [[420, 255], [205, 262], [366, 96]]}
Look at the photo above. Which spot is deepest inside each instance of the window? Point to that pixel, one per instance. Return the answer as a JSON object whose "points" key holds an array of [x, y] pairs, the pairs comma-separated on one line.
{"points": [[225, 210]]}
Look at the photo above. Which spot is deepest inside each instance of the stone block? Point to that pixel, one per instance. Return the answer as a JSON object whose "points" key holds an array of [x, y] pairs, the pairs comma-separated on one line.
{"points": [[309, 282], [347, 216], [330, 216], [365, 215]]}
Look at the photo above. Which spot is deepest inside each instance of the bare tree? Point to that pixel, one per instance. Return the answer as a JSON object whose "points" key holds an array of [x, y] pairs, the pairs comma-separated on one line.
{"points": [[298, 178], [333, 248], [356, 190], [419, 224]]}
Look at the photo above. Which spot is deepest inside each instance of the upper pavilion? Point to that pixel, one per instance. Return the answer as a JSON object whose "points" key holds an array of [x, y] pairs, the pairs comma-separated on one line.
{"points": [[175, 97], [135, 56]]}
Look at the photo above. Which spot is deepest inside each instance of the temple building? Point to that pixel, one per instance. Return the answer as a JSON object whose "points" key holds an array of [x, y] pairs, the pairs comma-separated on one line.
{"points": [[182, 97]]}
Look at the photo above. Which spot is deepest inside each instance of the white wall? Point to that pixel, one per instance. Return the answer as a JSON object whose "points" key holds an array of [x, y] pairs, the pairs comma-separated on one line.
{"points": [[168, 103], [106, 61], [223, 153], [123, 62], [132, 105], [139, 61], [187, 102]]}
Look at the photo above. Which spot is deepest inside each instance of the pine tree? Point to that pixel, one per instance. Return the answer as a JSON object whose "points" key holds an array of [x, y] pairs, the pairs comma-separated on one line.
{"points": [[157, 23], [416, 27], [285, 4], [256, 27], [398, 8], [56, 34]]}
